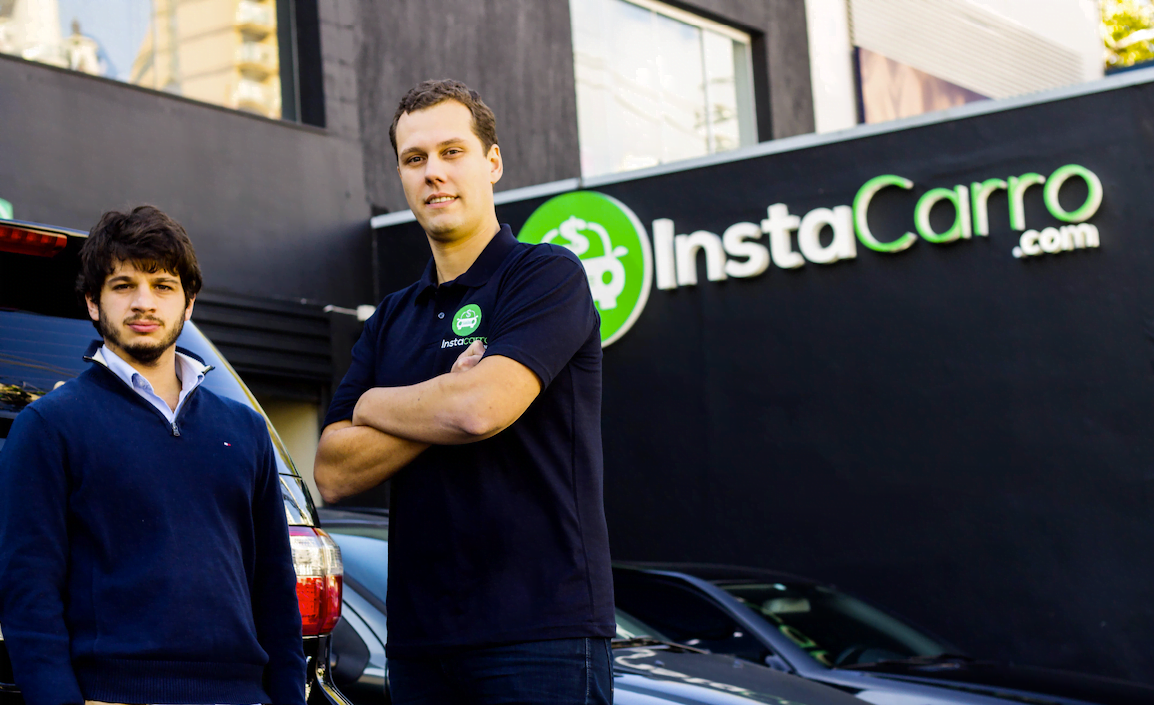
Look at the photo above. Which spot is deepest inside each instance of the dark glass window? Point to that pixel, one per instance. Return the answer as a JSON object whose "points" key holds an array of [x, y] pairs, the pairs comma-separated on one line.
{"points": [[685, 617]]}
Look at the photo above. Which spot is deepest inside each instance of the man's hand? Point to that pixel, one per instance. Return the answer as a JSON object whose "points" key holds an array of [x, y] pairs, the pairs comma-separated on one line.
{"points": [[351, 459], [469, 359]]}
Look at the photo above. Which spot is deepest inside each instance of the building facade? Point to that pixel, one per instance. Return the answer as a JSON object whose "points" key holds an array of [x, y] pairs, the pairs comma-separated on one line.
{"points": [[750, 413]]}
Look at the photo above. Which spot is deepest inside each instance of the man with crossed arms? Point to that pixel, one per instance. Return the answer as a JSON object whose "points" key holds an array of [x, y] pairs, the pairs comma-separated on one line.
{"points": [[500, 587]]}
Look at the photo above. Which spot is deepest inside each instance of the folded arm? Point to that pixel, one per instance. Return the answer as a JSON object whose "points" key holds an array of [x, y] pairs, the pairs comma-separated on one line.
{"points": [[351, 459], [454, 408]]}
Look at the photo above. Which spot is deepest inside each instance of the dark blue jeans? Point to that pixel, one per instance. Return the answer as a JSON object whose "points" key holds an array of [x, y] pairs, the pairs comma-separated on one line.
{"points": [[557, 672]]}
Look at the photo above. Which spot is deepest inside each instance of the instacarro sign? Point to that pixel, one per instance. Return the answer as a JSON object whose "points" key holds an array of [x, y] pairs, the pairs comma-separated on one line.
{"points": [[623, 265]]}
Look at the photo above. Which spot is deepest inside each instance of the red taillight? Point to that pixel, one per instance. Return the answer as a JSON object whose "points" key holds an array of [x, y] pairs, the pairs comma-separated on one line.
{"points": [[29, 241], [320, 573]]}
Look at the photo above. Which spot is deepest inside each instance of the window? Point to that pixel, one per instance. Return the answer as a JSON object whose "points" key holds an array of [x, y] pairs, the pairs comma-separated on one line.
{"points": [[915, 57], [225, 52], [834, 628], [890, 90], [685, 616], [656, 85]]}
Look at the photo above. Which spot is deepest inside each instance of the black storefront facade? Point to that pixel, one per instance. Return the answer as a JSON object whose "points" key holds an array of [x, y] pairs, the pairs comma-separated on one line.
{"points": [[953, 422]]}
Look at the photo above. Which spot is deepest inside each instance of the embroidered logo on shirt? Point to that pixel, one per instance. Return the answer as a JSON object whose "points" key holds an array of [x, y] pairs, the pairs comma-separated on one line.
{"points": [[467, 320], [229, 445]]}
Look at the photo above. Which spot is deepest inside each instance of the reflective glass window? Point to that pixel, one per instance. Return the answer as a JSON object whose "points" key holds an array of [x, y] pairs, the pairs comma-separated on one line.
{"points": [[656, 84], [224, 52], [684, 616], [834, 628]]}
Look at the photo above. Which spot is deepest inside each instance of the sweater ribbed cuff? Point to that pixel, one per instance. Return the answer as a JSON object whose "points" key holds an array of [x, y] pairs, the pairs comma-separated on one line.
{"points": [[173, 682]]}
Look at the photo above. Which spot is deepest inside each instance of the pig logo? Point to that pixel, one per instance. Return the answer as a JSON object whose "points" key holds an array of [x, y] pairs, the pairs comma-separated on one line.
{"points": [[605, 272], [613, 248]]}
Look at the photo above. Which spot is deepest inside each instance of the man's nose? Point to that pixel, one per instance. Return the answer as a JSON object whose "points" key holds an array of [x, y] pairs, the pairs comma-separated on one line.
{"points": [[144, 300], [434, 170]]}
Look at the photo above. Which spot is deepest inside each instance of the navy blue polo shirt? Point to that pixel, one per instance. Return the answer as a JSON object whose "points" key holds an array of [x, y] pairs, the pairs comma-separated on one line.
{"points": [[503, 540]]}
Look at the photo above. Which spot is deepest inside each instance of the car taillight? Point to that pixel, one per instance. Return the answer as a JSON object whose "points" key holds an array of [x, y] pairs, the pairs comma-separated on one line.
{"points": [[29, 241], [320, 574]]}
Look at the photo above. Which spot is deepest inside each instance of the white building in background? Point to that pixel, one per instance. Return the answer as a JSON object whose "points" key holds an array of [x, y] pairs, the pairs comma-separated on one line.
{"points": [[895, 58], [31, 29]]}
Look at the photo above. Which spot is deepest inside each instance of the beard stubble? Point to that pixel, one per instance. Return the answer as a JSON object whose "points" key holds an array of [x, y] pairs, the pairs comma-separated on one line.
{"points": [[144, 353]]}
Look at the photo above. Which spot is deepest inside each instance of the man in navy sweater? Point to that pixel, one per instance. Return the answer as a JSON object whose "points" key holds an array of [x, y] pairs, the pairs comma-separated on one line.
{"points": [[144, 551]]}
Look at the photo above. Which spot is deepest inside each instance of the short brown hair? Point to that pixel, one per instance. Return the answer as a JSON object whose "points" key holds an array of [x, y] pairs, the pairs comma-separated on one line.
{"points": [[148, 239], [426, 94]]}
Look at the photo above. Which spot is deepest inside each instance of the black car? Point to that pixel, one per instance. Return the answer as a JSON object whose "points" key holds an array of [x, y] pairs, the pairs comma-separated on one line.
{"points": [[649, 669], [44, 334], [812, 629]]}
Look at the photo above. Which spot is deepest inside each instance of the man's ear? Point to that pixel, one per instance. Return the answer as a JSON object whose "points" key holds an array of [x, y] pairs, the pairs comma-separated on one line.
{"points": [[93, 307], [188, 308], [496, 164]]}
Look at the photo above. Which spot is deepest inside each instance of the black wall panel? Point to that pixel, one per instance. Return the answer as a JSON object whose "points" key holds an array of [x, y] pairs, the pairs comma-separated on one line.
{"points": [[955, 433], [274, 209]]}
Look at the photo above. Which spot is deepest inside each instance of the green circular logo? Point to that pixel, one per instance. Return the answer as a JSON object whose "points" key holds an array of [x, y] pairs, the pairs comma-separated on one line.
{"points": [[467, 320], [613, 246]]}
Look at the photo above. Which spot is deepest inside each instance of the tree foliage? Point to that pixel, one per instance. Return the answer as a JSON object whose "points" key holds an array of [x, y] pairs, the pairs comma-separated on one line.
{"points": [[1128, 31]]}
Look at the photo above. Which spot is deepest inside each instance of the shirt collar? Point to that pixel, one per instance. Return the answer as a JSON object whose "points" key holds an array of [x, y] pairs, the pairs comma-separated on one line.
{"points": [[482, 268], [189, 371]]}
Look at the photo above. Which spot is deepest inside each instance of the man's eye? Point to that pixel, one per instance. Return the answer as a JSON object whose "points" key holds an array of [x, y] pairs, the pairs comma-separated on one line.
{"points": [[454, 150], [120, 287], [412, 160], [165, 287]]}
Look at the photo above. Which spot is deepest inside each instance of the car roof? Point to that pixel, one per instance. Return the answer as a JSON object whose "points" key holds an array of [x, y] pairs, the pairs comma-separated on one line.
{"points": [[716, 572]]}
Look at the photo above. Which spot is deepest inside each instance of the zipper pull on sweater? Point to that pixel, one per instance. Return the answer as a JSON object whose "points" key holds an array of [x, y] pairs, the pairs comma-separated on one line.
{"points": [[175, 429]]}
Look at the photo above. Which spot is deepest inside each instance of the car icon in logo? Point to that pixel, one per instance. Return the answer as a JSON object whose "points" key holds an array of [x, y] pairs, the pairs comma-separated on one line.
{"points": [[606, 273], [468, 320]]}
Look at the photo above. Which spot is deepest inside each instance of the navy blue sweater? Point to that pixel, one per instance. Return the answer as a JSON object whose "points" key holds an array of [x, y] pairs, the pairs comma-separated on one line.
{"points": [[139, 566]]}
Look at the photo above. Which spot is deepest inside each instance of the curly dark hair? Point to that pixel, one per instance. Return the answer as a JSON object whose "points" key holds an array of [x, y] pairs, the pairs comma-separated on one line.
{"points": [[426, 94], [148, 239]]}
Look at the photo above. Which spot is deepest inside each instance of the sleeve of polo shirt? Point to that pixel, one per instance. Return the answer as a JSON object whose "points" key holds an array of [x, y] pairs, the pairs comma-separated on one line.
{"points": [[545, 314], [360, 377]]}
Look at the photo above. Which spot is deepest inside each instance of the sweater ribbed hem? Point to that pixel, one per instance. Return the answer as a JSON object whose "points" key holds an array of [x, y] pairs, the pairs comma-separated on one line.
{"points": [[174, 682]]}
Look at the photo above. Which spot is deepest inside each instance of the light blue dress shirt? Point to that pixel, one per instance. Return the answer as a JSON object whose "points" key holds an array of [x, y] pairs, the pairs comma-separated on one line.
{"points": [[188, 371]]}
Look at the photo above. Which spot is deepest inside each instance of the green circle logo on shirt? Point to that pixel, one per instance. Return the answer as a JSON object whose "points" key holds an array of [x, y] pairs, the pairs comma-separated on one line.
{"points": [[467, 320], [612, 245]]}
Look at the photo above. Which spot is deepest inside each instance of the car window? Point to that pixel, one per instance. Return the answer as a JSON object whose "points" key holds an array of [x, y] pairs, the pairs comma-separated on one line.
{"points": [[685, 616], [832, 627], [629, 627], [36, 354], [366, 560]]}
